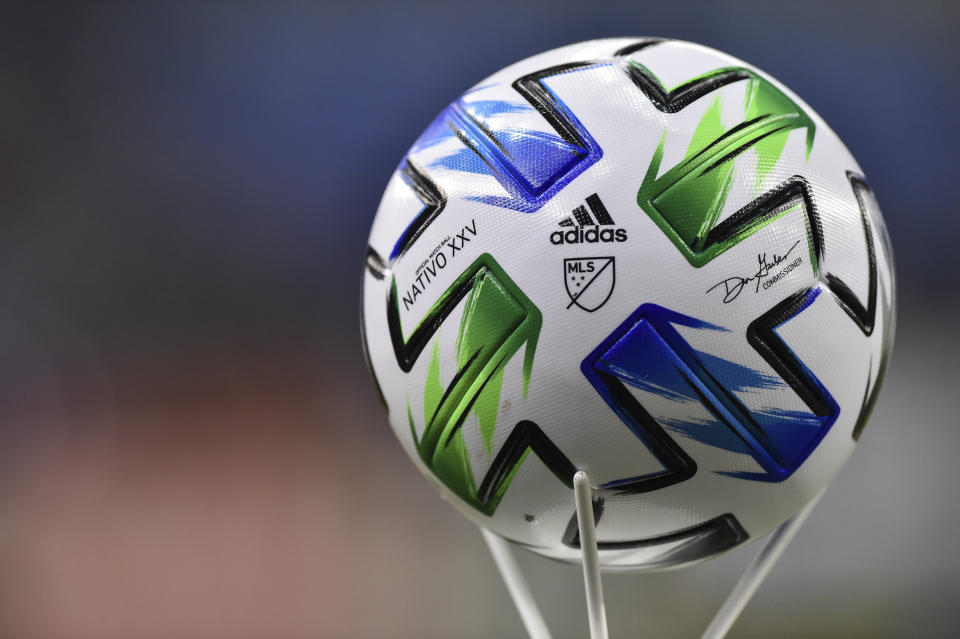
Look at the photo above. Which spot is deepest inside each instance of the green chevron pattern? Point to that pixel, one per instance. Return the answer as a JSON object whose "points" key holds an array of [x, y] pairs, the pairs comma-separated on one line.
{"points": [[686, 201]]}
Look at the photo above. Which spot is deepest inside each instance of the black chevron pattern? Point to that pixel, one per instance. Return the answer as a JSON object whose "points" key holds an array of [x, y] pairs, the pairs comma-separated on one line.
{"points": [[675, 100], [710, 538], [433, 198], [863, 314]]}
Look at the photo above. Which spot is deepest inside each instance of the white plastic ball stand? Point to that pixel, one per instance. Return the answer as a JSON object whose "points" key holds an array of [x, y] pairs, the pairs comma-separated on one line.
{"points": [[736, 601]]}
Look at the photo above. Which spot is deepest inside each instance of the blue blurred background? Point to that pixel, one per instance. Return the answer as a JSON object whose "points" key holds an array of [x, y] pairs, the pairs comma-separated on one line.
{"points": [[190, 446]]}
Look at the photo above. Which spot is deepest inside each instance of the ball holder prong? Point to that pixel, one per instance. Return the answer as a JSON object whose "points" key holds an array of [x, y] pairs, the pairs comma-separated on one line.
{"points": [[596, 613], [517, 586], [756, 572], [735, 603]]}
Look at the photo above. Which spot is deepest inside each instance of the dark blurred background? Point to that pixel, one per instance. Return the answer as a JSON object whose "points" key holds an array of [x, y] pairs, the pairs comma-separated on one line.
{"points": [[190, 446]]}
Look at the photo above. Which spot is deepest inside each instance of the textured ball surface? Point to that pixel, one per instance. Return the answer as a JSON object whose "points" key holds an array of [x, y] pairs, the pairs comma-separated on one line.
{"points": [[644, 259]]}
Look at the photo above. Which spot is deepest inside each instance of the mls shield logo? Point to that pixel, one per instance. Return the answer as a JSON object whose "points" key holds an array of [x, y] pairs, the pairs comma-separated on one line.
{"points": [[589, 281]]}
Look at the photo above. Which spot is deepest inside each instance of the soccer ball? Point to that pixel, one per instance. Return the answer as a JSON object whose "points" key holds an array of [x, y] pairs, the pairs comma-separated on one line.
{"points": [[640, 258]]}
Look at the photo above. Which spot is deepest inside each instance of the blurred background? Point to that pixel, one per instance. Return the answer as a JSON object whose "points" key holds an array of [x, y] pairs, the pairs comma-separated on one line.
{"points": [[190, 446]]}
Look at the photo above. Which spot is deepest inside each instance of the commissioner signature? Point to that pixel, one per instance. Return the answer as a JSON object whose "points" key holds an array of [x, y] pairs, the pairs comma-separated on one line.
{"points": [[733, 286]]}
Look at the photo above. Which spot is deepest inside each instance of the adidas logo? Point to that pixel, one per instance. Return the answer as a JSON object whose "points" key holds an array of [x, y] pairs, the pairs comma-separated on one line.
{"points": [[584, 229]]}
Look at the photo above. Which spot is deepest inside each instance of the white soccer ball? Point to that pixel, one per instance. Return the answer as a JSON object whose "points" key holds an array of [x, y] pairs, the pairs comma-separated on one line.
{"points": [[640, 258]]}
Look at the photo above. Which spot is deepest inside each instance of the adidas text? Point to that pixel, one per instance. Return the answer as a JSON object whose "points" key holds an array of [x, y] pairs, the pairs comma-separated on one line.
{"points": [[588, 236], [582, 228]]}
